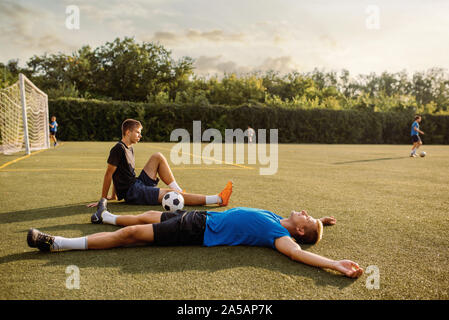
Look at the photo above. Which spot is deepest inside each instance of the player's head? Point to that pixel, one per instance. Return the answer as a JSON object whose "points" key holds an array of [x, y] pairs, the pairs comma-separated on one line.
{"points": [[53, 118], [308, 230], [418, 118], [132, 129]]}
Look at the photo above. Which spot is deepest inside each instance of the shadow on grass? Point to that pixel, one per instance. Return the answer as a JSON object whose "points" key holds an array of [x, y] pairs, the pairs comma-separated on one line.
{"points": [[79, 208], [70, 210], [154, 260], [370, 160]]}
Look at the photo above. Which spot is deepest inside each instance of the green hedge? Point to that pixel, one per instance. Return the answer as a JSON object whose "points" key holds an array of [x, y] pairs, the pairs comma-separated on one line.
{"points": [[94, 120]]}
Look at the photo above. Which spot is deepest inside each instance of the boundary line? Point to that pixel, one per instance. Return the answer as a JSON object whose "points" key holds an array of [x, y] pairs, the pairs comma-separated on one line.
{"points": [[24, 157], [221, 161], [98, 169], [87, 169]]}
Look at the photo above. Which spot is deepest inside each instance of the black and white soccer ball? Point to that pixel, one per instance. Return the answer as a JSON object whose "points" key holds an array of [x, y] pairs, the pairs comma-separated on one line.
{"points": [[172, 201], [422, 154]]}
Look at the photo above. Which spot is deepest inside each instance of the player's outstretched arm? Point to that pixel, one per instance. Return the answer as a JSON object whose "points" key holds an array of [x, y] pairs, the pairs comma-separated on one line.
{"points": [[292, 250]]}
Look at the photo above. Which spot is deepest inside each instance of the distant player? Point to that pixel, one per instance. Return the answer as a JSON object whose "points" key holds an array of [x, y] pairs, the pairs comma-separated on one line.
{"points": [[143, 190], [251, 134], [416, 140], [237, 226], [53, 130]]}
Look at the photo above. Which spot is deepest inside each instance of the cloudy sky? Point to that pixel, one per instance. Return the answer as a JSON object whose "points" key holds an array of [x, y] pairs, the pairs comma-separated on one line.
{"points": [[361, 36]]}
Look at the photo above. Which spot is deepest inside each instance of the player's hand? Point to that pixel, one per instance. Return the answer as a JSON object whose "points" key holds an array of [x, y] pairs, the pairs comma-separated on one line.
{"points": [[328, 221], [94, 204], [349, 268]]}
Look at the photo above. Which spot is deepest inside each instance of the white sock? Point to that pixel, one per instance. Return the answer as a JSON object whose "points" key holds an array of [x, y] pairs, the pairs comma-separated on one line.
{"points": [[109, 218], [213, 199], [174, 186], [62, 243]]}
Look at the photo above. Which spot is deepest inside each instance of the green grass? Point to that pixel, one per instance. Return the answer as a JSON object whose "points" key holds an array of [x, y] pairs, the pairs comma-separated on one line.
{"points": [[392, 212]]}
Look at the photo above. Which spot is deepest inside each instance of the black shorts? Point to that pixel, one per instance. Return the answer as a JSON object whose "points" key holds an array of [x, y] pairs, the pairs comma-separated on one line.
{"points": [[52, 133], [180, 228], [144, 191], [415, 138]]}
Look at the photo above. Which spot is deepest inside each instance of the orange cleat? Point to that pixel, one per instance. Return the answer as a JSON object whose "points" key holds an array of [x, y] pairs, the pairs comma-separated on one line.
{"points": [[225, 195]]}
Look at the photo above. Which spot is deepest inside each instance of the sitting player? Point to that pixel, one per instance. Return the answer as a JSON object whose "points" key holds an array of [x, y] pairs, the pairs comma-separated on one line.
{"points": [[143, 190], [237, 226]]}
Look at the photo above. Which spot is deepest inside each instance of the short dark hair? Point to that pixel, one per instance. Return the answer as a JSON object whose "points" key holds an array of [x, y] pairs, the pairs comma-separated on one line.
{"points": [[130, 124], [417, 116]]}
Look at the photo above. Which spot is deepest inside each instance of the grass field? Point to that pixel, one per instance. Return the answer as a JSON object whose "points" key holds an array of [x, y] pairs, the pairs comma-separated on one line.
{"points": [[391, 210]]}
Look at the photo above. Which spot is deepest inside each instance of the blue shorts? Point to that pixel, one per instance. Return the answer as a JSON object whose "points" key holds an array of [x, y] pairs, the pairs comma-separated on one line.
{"points": [[143, 191]]}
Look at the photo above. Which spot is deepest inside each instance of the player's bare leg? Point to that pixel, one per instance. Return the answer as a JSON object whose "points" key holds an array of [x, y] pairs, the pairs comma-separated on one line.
{"points": [[190, 199], [414, 148], [132, 235], [53, 139], [158, 165], [148, 217]]}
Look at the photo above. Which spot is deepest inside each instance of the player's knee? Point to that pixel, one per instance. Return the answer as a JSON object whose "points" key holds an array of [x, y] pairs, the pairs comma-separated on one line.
{"points": [[128, 233], [157, 155]]}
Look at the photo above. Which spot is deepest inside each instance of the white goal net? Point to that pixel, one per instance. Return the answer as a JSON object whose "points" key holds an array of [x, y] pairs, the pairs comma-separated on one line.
{"points": [[23, 118]]}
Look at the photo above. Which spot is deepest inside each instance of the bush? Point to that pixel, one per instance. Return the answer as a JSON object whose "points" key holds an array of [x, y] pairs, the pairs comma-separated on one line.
{"points": [[95, 120]]}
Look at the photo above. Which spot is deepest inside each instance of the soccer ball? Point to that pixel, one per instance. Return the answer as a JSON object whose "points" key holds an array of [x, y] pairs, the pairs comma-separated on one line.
{"points": [[422, 154], [172, 201]]}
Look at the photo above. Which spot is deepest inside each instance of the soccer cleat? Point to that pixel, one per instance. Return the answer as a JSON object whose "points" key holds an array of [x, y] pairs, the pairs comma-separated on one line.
{"points": [[413, 155], [40, 240], [97, 218], [225, 195]]}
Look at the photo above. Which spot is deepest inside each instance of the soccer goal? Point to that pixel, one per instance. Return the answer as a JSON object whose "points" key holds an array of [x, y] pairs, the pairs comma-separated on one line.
{"points": [[23, 118]]}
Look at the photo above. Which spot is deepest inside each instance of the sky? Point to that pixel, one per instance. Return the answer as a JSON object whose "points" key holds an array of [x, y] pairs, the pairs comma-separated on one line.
{"points": [[361, 36]]}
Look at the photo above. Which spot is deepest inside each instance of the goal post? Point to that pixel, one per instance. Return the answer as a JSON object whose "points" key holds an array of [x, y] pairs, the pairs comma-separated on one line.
{"points": [[24, 120]]}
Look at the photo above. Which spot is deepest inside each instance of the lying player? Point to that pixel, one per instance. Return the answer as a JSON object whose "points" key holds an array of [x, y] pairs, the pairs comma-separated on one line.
{"points": [[237, 226]]}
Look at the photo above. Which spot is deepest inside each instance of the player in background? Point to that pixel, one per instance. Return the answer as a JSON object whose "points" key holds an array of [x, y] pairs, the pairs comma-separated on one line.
{"points": [[143, 190], [251, 133], [416, 140], [53, 130]]}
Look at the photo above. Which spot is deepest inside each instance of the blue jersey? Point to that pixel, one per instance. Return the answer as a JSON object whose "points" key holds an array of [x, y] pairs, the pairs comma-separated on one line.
{"points": [[243, 226], [55, 126], [415, 126]]}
